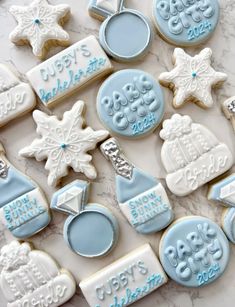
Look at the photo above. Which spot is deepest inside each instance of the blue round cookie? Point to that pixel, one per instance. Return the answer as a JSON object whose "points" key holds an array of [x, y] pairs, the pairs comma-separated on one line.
{"points": [[186, 22], [130, 103], [194, 251]]}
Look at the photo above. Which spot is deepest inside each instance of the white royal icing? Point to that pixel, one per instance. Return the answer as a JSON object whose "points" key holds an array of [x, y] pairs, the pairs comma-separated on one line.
{"points": [[64, 143], [109, 5], [229, 110], [71, 200], [32, 278], [126, 280], [191, 154], [192, 78], [227, 193], [39, 23]]}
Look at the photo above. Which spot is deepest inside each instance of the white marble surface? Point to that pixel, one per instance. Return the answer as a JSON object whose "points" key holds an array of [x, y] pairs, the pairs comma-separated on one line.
{"points": [[21, 132]]}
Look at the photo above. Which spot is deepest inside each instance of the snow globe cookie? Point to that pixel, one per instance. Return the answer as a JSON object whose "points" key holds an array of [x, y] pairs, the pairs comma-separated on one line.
{"points": [[191, 155], [186, 22], [228, 224], [23, 207], [118, 33], [141, 197], [194, 251], [229, 110], [91, 230], [130, 103], [32, 278]]}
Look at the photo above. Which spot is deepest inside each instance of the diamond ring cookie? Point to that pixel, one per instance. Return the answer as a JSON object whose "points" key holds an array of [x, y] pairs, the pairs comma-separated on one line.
{"points": [[191, 155], [141, 197], [228, 224], [186, 22], [192, 78], [194, 251], [91, 230], [229, 110], [23, 207], [118, 33], [32, 278], [130, 103], [39, 24], [64, 143]]}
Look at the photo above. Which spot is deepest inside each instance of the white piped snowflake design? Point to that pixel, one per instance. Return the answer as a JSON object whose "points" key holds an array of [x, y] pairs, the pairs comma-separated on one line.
{"points": [[192, 78], [64, 143], [38, 23]]}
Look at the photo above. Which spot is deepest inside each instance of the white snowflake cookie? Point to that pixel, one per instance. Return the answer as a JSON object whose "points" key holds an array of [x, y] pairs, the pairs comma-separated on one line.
{"points": [[192, 78], [64, 143], [229, 110], [40, 24]]}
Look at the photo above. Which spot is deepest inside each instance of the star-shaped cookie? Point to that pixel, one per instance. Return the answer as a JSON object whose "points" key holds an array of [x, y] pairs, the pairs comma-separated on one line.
{"points": [[64, 143], [192, 78], [39, 24]]}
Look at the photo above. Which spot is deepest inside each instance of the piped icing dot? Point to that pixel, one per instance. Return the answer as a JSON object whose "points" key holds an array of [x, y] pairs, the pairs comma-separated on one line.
{"points": [[194, 74], [63, 146], [37, 21]]}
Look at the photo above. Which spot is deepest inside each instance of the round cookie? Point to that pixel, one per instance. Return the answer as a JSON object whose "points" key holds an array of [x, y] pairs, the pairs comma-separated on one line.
{"points": [[194, 251], [186, 22], [130, 103]]}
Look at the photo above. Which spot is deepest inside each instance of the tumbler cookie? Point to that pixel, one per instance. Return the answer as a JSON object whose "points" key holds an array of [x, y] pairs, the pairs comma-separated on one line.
{"points": [[229, 110]]}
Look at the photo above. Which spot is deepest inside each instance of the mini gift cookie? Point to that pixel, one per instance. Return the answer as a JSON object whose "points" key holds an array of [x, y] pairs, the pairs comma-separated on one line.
{"points": [[32, 278], [229, 110], [142, 198], [125, 281], [194, 251], [23, 207], [39, 24], [186, 22], [16, 97], [118, 33], [130, 103], [228, 224], [91, 230], [64, 143], [192, 78], [191, 155]]}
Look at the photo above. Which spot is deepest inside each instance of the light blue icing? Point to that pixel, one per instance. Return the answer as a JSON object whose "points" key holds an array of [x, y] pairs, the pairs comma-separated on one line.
{"points": [[228, 223], [186, 22], [130, 103], [194, 251], [119, 38]]}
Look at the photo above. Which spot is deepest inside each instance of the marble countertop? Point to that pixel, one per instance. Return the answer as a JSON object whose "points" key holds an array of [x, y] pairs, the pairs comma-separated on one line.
{"points": [[21, 132]]}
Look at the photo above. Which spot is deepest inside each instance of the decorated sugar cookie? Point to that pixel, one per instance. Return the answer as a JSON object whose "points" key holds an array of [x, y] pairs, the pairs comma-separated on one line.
{"points": [[64, 143], [91, 230], [69, 70], [32, 278], [39, 24], [229, 110], [142, 198], [125, 281], [191, 155], [194, 251], [23, 207], [228, 224], [16, 97], [186, 22], [118, 33], [192, 78], [130, 103]]}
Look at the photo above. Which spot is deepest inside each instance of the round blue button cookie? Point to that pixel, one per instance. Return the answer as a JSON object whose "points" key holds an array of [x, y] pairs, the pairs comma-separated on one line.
{"points": [[194, 251], [186, 22], [130, 103]]}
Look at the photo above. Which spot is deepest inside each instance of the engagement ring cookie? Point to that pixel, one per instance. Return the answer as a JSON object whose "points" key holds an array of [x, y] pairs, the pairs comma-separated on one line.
{"points": [[194, 251], [192, 78], [91, 230], [186, 22], [229, 110], [16, 97], [125, 34], [125, 281], [39, 24], [64, 143], [69, 70], [130, 103], [191, 155], [228, 224], [32, 278], [141, 197], [23, 207]]}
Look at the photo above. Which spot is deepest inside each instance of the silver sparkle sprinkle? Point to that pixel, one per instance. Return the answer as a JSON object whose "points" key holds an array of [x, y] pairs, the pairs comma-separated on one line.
{"points": [[3, 169], [231, 106]]}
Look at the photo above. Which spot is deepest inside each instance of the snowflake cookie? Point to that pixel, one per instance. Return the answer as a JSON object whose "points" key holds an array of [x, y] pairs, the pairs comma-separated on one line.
{"points": [[192, 78], [39, 24], [64, 143], [229, 110]]}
